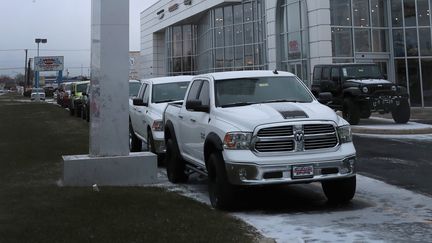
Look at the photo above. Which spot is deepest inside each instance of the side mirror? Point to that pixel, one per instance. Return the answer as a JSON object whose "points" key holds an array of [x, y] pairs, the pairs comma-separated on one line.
{"points": [[196, 105], [325, 98], [138, 102]]}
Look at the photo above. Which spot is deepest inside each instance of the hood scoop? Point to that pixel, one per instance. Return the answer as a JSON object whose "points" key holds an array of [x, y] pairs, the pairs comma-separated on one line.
{"points": [[293, 114]]}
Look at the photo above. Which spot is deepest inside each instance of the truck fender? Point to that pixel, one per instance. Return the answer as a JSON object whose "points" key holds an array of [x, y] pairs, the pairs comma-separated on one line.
{"points": [[351, 91], [169, 131], [212, 144]]}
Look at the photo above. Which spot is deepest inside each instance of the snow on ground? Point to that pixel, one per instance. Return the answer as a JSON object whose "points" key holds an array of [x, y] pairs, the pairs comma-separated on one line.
{"points": [[378, 213], [389, 124], [398, 137]]}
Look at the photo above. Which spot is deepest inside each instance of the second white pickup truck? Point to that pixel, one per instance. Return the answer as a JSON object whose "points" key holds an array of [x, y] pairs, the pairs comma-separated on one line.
{"points": [[145, 111], [256, 128]]}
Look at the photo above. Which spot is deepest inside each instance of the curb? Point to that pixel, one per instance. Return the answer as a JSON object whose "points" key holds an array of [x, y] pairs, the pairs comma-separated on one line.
{"points": [[365, 130]]}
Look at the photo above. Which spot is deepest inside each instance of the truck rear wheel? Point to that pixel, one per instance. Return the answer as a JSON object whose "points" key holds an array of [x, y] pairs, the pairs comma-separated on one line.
{"points": [[402, 113], [221, 192], [339, 190], [175, 165], [351, 111], [135, 142]]}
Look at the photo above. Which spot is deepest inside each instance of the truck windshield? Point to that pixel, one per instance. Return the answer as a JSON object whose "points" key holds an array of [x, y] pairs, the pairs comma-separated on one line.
{"points": [[362, 72], [246, 91], [169, 92], [134, 88]]}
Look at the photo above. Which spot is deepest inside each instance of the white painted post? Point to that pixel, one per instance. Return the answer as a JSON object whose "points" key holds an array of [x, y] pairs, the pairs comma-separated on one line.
{"points": [[109, 162]]}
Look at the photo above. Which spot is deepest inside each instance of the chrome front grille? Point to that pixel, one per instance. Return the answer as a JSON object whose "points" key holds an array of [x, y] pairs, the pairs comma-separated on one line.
{"points": [[296, 138]]}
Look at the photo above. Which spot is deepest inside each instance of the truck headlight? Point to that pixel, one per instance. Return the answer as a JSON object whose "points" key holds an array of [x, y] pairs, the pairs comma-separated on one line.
{"points": [[344, 134], [365, 89], [157, 126], [394, 88], [237, 140]]}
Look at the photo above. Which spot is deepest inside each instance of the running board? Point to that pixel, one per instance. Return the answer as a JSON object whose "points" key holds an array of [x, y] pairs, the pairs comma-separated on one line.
{"points": [[196, 169]]}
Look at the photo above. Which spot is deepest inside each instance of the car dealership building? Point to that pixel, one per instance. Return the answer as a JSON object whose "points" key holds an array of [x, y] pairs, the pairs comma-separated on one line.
{"points": [[200, 36]]}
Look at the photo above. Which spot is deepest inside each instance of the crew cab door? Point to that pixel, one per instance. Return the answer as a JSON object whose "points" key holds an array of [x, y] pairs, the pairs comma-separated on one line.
{"points": [[191, 121]]}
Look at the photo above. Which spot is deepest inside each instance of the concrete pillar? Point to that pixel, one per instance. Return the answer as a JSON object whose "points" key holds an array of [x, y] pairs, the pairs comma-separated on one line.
{"points": [[109, 78], [109, 162]]}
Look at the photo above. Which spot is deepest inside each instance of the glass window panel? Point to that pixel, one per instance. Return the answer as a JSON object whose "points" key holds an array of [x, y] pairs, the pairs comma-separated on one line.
{"points": [[219, 36], [187, 64], [342, 42], [362, 40], [304, 15], [294, 46], [177, 64], [257, 53], [238, 57], [218, 13], [177, 33], [423, 12], [306, 74], [410, 12], [228, 15], [187, 32], [249, 54], [238, 14], [427, 81], [305, 44], [229, 57], [400, 72], [380, 40], [398, 43], [228, 36], [248, 29], [293, 17], [414, 82], [340, 12], [187, 48], [361, 13], [379, 13], [248, 12], [396, 10], [177, 48], [238, 34], [219, 55], [411, 42], [425, 42]]}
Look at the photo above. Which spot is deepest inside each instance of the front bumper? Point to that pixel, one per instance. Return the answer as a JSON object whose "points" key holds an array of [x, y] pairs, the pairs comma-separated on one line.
{"points": [[385, 103], [326, 166]]}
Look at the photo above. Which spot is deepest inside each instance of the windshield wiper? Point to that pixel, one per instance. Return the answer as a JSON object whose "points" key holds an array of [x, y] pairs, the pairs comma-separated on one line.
{"points": [[164, 101], [238, 104]]}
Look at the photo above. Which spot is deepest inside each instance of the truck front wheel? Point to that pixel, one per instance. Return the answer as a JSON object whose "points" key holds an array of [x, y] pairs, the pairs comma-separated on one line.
{"points": [[402, 113], [340, 190], [175, 165], [351, 111], [221, 192]]}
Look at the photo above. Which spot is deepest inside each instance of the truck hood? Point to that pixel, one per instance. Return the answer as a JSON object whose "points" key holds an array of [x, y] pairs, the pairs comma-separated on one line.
{"points": [[369, 81], [247, 118]]}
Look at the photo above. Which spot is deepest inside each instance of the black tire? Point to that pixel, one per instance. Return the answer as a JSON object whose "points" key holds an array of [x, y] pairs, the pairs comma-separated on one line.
{"points": [[78, 111], [339, 191], [221, 191], [351, 111], [402, 113], [135, 143], [175, 165]]}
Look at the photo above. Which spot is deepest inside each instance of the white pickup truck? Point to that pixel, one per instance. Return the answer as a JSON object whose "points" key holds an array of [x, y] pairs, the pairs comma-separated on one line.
{"points": [[256, 128], [145, 111]]}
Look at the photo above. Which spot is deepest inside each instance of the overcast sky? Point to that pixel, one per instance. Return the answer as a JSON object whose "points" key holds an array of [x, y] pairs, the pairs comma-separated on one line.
{"points": [[66, 25]]}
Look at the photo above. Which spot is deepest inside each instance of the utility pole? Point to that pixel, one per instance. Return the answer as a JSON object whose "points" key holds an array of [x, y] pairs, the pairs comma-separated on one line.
{"points": [[25, 68]]}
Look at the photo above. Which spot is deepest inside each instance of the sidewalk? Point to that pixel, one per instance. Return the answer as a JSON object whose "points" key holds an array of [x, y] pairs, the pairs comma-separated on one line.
{"points": [[420, 123]]}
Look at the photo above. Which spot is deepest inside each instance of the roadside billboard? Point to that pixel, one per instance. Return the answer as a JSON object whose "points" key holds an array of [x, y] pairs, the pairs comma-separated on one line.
{"points": [[53, 63]]}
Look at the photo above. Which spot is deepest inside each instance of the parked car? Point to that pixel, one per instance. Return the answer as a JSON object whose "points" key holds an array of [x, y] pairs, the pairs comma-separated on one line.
{"points": [[252, 128], [85, 102], [63, 95], [75, 101], [145, 112], [37, 94], [358, 90]]}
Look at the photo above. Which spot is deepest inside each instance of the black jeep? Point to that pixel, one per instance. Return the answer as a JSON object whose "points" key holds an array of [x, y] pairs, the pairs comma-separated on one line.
{"points": [[359, 89]]}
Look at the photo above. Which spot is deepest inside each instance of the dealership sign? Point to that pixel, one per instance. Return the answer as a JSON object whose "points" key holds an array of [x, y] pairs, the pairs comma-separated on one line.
{"points": [[54, 63]]}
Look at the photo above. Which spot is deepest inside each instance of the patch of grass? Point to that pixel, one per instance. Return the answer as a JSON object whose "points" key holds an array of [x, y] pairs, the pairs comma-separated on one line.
{"points": [[33, 137]]}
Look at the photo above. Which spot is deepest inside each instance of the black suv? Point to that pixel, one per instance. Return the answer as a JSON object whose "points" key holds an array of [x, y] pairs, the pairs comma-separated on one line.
{"points": [[359, 89]]}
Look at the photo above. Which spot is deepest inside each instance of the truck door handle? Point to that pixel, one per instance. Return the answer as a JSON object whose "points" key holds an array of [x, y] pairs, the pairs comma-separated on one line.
{"points": [[181, 117], [192, 120]]}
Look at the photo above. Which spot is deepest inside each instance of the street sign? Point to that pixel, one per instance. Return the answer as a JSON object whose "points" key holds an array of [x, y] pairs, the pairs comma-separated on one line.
{"points": [[53, 63]]}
